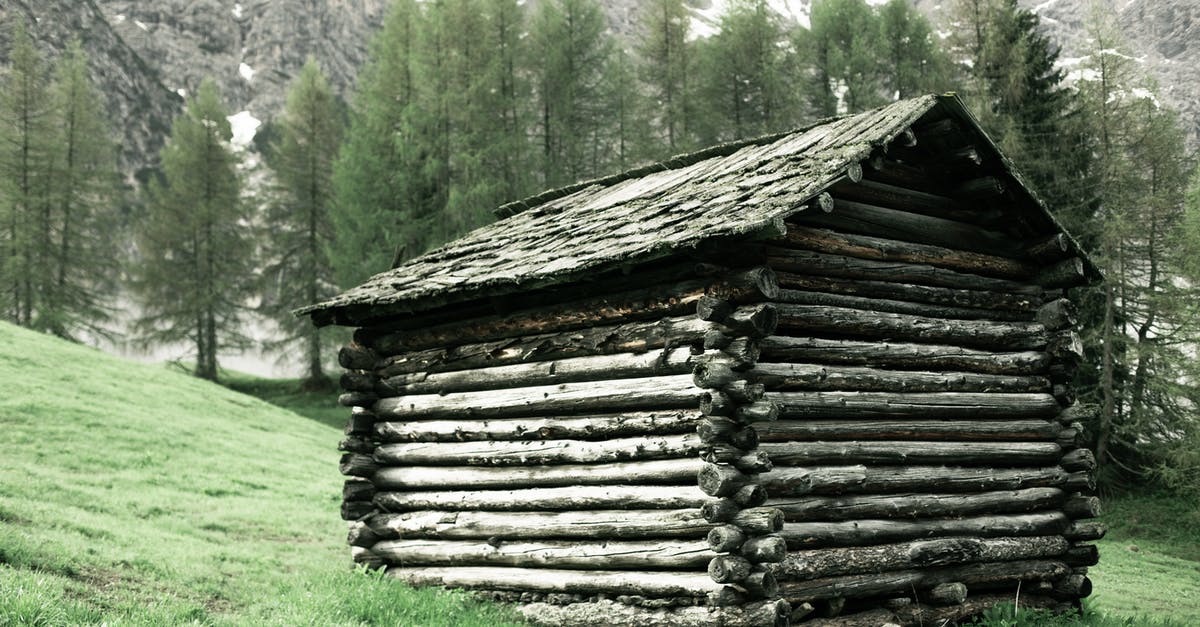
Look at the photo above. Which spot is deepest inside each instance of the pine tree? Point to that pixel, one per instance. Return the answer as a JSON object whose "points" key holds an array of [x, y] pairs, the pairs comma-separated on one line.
{"points": [[298, 271], [844, 48], [505, 102], [629, 135], [196, 253], [912, 62], [665, 57]]}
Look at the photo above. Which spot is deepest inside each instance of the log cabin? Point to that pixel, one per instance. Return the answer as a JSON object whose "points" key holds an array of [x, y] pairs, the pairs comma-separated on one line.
{"points": [[819, 377]]}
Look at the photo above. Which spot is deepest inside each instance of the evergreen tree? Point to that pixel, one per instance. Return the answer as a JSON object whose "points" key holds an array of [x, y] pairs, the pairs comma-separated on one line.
{"points": [[844, 48], [912, 62], [629, 135], [196, 253], [665, 57], [298, 271]]}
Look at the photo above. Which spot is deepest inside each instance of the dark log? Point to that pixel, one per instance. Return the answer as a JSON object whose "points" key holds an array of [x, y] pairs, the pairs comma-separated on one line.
{"points": [[595, 555], [506, 453], [717, 403], [1008, 336], [753, 320], [726, 538], [865, 247], [1058, 314], [814, 563], [901, 355], [833, 607], [541, 499], [721, 453], [357, 444], [1082, 531], [1072, 587], [1066, 346], [952, 303], [1054, 248], [764, 549], [1079, 459], [752, 495], [746, 439], [1081, 482], [759, 412], [713, 309], [1064, 394], [903, 198], [800, 297], [1082, 555], [602, 426], [1006, 293], [745, 392], [759, 520], [1062, 372], [669, 361], [823, 203], [720, 480], [761, 584], [360, 535], [995, 454], [364, 557], [728, 568], [607, 524], [713, 375], [866, 219], [907, 429], [1082, 507], [755, 614], [1070, 438], [649, 583], [947, 594], [716, 339], [871, 585], [355, 357], [355, 381], [717, 429], [358, 490], [784, 377], [854, 172], [357, 399], [355, 510], [865, 532], [667, 471], [897, 506], [753, 463], [1085, 412], [357, 465], [671, 392], [634, 337], [742, 352], [920, 614], [720, 510], [975, 405], [361, 422], [984, 186], [657, 301], [786, 481]]}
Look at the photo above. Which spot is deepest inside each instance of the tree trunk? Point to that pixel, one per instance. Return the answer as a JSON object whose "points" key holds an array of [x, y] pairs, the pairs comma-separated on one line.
{"points": [[507, 453], [573, 498], [903, 506], [607, 524], [602, 426], [667, 471], [603, 555]]}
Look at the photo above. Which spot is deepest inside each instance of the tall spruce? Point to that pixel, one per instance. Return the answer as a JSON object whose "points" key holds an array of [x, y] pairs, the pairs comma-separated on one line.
{"points": [[844, 48], [665, 58], [912, 62], [196, 261], [296, 248], [505, 101]]}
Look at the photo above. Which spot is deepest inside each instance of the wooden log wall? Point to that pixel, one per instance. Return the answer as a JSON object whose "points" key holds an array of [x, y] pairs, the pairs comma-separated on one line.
{"points": [[591, 448]]}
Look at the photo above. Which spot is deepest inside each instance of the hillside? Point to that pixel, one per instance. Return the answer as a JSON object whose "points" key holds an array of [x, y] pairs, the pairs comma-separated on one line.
{"points": [[134, 494]]}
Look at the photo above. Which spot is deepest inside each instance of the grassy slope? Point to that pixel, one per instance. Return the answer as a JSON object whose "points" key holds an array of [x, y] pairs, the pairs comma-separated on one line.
{"points": [[132, 494]]}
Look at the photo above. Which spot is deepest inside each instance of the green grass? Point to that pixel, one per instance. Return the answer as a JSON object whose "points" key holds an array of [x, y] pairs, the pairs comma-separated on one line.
{"points": [[131, 494]]}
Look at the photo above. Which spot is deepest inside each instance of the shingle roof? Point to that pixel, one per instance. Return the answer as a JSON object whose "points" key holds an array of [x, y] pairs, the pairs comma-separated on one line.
{"points": [[638, 216]]}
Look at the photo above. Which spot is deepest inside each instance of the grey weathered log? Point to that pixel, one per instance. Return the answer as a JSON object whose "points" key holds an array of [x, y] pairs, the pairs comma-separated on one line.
{"points": [[1064, 393], [356, 444], [823, 202], [713, 375], [902, 355], [1058, 314], [772, 613], [756, 321], [716, 339], [904, 199], [355, 357], [541, 499], [923, 405], [633, 337], [752, 495], [667, 361], [364, 557], [743, 352], [763, 411], [670, 392], [720, 480], [599, 554], [745, 392], [649, 583], [764, 549], [1007, 336], [1065, 346], [717, 403], [800, 377], [1051, 249], [509, 453], [357, 465], [910, 429], [713, 309], [1008, 294], [1082, 531], [994, 454], [718, 429], [1070, 437], [941, 302], [761, 583], [928, 505], [1072, 587], [753, 463], [600, 426], [814, 563], [728, 568], [669, 299], [355, 381], [726, 538], [1081, 482], [920, 614], [1079, 459], [1066, 273], [802, 535], [1080, 412], [881, 249], [1082, 507], [1082, 555], [881, 584], [953, 593], [720, 510], [358, 490], [854, 172], [786, 481], [721, 453], [667, 471], [610, 524], [360, 535], [823, 299], [759, 520]]}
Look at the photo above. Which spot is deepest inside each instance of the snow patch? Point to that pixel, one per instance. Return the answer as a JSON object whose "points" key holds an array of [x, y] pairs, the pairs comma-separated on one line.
{"points": [[246, 71], [706, 22], [1085, 74], [141, 25], [182, 92], [244, 126], [120, 18], [795, 10], [237, 11], [1145, 94], [1071, 61], [944, 34], [1045, 5]]}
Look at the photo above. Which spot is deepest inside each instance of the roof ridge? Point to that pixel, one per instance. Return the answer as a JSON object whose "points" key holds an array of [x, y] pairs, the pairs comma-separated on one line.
{"points": [[675, 162]]}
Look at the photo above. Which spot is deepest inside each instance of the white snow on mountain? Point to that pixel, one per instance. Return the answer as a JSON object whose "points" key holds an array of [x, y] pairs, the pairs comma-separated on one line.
{"points": [[244, 126], [246, 71]]}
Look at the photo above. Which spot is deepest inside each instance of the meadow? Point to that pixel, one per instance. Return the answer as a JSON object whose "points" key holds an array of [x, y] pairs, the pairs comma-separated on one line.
{"points": [[137, 495]]}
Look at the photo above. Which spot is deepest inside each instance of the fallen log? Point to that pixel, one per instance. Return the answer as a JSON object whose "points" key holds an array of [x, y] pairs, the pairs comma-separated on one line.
{"points": [[877, 429], [754, 614], [606, 524], [508, 453], [594, 427], [923, 405], [850, 560], [901, 355], [603, 555], [646, 583], [1007, 336], [540, 499], [667, 471], [880, 584], [864, 532], [994, 454], [786, 481], [898, 506], [787, 377]]}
